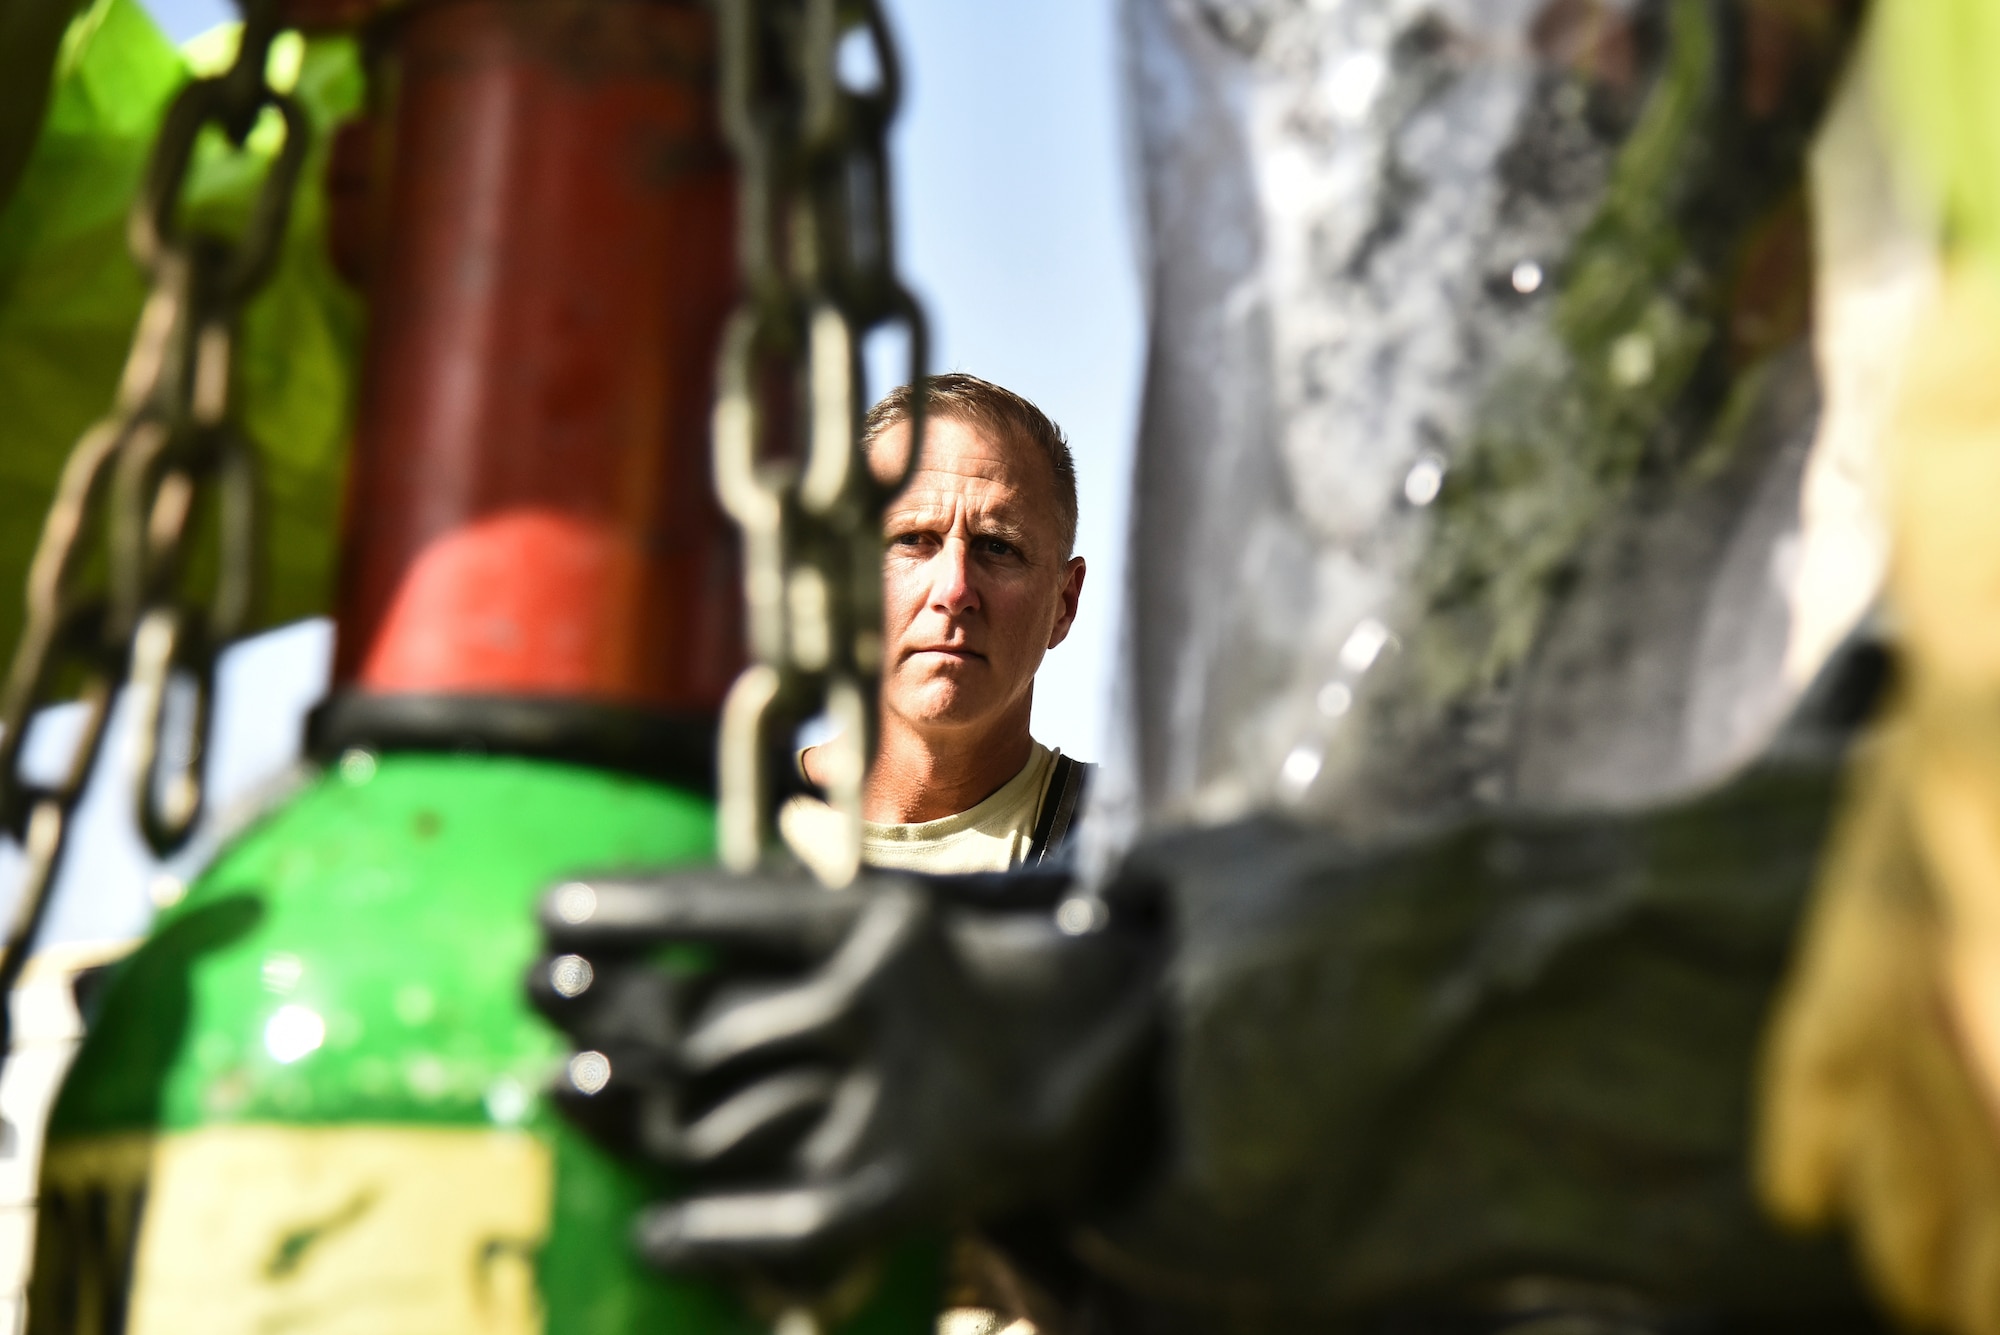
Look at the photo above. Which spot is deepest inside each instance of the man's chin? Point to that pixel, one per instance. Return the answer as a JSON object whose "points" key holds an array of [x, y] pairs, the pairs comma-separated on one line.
{"points": [[942, 705]]}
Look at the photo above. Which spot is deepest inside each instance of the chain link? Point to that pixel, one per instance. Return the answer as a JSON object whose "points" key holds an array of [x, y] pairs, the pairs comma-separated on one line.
{"points": [[818, 280], [107, 595]]}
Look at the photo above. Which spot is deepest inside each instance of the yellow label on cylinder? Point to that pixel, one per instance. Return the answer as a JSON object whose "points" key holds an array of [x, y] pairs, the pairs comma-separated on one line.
{"points": [[256, 1230]]}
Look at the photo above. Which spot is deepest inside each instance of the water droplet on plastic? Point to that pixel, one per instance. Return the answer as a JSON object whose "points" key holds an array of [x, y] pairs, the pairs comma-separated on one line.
{"points": [[1079, 915], [1352, 87], [590, 1072], [576, 903], [1424, 480], [1301, 767], [1364, 645], [571, 976], [357, 766]]}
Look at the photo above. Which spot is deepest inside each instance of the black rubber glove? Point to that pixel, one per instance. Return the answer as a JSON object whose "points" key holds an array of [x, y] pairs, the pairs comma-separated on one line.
{"points": [[826, 1066]]}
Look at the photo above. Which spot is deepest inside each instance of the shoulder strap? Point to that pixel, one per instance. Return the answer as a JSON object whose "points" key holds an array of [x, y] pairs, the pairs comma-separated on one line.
{"points": [[1059, 804]]}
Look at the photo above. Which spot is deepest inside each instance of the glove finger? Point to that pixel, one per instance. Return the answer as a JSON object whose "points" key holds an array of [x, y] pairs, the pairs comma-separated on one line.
{"points": [[766, 1227], [763, 1120], [703, 905], [610, 1095], [610, 1002], [810, 1011], [842, 1134]]}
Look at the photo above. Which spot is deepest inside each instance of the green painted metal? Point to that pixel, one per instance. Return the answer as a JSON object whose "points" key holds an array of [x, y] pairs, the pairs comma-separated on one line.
{"points": [[390, 904]]}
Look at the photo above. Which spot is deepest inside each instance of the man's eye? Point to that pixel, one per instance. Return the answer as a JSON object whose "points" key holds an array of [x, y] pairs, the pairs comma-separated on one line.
{"points": [[997, 547], [907, 540]]}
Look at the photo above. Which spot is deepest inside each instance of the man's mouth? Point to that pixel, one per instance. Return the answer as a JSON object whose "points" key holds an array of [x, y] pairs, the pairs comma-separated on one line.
{"points": [[959, 653]]}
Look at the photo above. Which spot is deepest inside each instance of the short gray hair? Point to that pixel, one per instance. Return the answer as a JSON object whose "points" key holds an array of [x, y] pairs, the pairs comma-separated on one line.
{"points": [[959, 397]]}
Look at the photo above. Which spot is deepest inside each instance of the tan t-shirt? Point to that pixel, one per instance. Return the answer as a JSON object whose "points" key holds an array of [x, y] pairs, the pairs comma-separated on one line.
{"points": [[992, 836]]}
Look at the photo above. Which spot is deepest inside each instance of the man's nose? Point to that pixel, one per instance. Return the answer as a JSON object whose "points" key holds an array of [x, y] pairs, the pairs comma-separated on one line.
{"points": [[951, 580]]}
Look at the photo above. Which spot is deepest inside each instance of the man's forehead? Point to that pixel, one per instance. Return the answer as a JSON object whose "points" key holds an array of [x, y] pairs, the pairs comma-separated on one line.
{"points": [[940, 496], [965, 460]]}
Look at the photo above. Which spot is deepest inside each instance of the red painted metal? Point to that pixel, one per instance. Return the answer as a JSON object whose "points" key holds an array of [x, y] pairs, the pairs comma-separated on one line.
{"points": [[550, 266]]}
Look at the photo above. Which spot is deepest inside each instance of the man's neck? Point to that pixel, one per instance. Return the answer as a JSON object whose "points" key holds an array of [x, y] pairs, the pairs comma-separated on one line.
{"points": [[928, 775]]}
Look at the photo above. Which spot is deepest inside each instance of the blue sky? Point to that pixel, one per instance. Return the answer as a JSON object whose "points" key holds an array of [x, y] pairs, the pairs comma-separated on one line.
{"points": [[1013, 217], [1012, 197]]}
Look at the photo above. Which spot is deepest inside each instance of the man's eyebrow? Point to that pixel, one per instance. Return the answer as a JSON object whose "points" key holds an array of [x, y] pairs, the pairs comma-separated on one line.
{"points": [[918, 517], [997, 526]]}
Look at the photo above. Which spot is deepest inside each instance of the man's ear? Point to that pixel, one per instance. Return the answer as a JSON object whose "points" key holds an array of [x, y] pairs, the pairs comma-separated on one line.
{"points": [[1072, 589]]}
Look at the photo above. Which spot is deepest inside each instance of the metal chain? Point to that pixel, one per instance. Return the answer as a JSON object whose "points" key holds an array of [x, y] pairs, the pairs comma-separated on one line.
{"points": [[818, 279], [107, 595]]}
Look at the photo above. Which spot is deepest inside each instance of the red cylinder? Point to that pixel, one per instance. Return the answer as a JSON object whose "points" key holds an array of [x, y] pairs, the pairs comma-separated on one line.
{"points": [[529, 503]]}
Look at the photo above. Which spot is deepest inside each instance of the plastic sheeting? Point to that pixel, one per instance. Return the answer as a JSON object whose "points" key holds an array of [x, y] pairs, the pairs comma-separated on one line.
{"points": [[70, 295], [1479, 402]]}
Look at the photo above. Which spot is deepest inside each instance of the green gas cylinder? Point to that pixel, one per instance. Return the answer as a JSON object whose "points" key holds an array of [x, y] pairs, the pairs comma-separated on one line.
{"points": [[312, 1100]]}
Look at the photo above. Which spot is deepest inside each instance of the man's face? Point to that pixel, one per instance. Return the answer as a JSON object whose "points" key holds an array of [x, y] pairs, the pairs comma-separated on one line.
{"points": [[976, 585]]}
